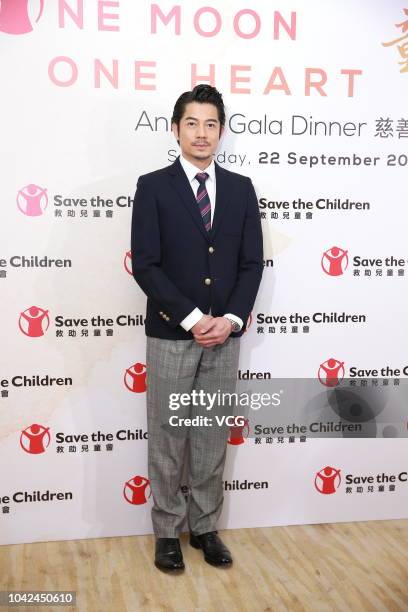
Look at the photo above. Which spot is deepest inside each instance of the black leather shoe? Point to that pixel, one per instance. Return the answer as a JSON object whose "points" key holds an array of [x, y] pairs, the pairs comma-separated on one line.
{"points": [[215, 551], [168, 555]]}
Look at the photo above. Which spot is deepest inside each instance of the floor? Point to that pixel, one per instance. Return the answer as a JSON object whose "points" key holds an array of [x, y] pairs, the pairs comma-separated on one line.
{"points": [[341, 566]]}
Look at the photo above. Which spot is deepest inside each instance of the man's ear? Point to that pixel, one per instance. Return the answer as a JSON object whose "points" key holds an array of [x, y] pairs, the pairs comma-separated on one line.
{"points": [[174, 129], [222, 130]]}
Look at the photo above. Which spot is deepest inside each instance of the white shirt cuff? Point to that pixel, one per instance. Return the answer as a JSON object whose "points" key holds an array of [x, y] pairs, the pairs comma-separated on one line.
{"points": [[191, 319], [236, 319]]}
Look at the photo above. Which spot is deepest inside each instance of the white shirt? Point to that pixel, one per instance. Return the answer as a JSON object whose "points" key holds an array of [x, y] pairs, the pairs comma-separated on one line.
{"points": [[210, 184]]}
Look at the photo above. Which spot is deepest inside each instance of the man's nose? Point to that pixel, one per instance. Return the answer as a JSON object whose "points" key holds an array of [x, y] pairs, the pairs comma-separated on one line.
{"points": [[201, 131]]}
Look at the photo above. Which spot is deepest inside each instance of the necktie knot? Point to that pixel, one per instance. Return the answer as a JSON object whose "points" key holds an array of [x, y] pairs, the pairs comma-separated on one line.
{"points": [[201, 177]]}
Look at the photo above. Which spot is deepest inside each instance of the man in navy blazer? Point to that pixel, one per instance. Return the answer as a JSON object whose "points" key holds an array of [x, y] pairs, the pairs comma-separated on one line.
{"points": [[197, 254]]}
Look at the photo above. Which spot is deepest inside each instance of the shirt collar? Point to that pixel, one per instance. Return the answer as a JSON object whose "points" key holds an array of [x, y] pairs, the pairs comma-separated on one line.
{"points": [[192, 170]]}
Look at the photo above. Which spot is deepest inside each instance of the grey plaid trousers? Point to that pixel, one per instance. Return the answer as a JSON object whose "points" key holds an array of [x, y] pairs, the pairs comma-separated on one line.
{"points": [[174, 367]]}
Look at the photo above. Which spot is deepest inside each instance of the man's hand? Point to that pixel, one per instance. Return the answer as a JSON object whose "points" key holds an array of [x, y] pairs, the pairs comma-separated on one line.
{"points": [[202, 325], [210, 331]]}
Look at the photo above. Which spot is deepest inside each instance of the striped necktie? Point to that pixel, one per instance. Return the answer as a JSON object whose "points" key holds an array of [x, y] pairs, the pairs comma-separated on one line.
{"points": [[203, 200]]}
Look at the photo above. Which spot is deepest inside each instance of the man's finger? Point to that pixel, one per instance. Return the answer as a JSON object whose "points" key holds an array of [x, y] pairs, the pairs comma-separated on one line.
{"points": [[203, 330], [207, 341], [213, 326], [209, 324], [207, 334], [203, 339], [207, 337]]}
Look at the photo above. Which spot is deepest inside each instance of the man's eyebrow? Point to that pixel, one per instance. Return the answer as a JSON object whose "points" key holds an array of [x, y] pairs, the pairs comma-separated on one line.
{"points": [[195, 119]]}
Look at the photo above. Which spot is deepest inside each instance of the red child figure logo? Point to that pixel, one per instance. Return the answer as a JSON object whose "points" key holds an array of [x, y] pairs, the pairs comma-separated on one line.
{"points": [[14, 16], [35, 439], [127, 262], [331, 372], [334, 261], [32, 200], [328, 480], [237, 434], [134, 490], [34, 321], [135, 378]]}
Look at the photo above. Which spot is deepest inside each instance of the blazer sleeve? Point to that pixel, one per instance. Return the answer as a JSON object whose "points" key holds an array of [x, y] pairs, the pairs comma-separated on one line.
{"points": [[146, 258], [250, 268]]}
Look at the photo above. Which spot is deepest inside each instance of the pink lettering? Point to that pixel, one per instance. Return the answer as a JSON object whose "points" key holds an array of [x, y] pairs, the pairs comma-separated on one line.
{"points": [[156, 12], [139, 75], [235, 78], [316, 84], [113, 77], [60, 82], [102, 4], [351, 74], [218, 22], [77, 18], [257, 25], [278, 21], [282, 86], [196, 78]]}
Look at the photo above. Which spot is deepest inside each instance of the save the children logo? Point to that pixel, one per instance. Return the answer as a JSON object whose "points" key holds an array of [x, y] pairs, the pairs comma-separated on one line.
{"points": [[18, 16], [32, 200], [135, 490], [334, 261], [35, 439], [127, 262], [331, 372], [34, 321], [135, 378], [327, 480]]}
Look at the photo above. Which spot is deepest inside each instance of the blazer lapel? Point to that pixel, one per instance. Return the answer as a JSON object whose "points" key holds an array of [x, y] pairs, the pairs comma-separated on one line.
{"points": [[221, 199], [183, 188]]}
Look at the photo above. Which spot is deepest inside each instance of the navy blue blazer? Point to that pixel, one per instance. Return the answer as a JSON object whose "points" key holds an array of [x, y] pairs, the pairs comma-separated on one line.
{"points": [[181, 266]]}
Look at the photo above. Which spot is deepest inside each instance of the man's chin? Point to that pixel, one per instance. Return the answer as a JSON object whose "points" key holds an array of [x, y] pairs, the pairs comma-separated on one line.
{"points": [[201, 155]]}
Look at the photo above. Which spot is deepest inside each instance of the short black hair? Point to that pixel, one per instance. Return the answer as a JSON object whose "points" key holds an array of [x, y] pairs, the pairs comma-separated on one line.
{"points": [[205, 94]]}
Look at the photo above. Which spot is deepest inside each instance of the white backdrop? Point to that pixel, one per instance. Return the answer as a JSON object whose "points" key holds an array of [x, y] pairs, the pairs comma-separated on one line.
{"points": [[88, 91]]}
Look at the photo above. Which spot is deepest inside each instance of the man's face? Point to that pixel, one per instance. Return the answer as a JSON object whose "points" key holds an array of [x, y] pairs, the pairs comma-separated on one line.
{"points": [[198, 133]]}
